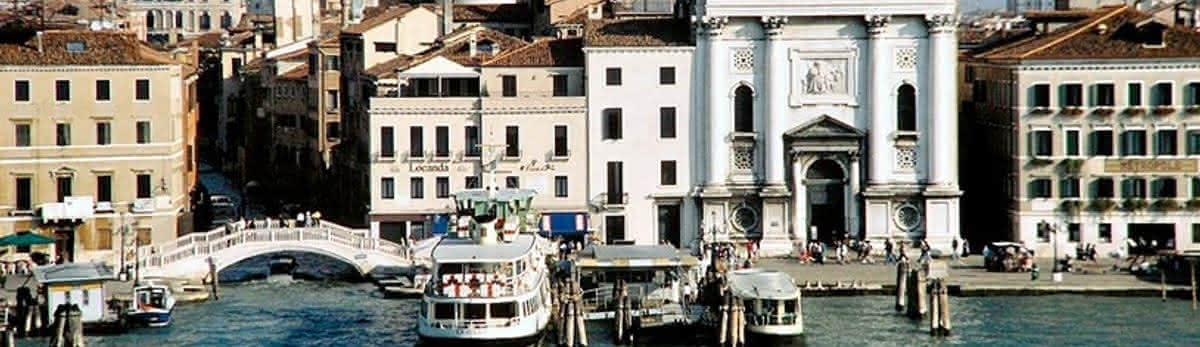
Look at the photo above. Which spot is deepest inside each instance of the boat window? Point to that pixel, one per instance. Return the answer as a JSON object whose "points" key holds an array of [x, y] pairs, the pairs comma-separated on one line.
{"points": [[789, 306], [474, 311], [445, 269], [85, 297], [504, 310], [506, 269], [521, 266], [424, 309], [443, 311]]}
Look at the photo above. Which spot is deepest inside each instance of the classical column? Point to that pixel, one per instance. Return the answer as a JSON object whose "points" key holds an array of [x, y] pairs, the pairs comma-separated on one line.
{"points": [[852, 213], [881, 124], [776, 102], [718, 102], [942, 116], [799, 201]]}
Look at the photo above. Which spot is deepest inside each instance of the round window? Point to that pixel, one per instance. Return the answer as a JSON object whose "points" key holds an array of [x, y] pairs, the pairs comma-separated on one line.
{"points": [[908, 217], [745, 218]]}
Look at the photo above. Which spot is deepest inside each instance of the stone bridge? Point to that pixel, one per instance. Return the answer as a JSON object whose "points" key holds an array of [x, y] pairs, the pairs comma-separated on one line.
{"points": [[188, 256]]}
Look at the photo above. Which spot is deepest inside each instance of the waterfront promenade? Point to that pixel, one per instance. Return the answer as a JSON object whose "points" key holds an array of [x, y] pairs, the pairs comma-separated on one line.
{"points": [[970, 279]]}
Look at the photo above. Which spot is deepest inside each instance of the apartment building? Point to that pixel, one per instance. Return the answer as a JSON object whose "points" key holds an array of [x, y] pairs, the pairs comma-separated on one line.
{"points": [[95, 146], [640, 130], [1091, 130], [486, 110]]}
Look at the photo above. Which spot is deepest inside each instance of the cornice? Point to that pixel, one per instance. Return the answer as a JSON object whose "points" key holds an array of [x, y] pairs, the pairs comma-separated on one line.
{"points": [[638, 49]]}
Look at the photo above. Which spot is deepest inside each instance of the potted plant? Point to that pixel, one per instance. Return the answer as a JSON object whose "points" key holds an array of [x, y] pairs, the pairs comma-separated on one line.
{"points": [[1103, 204], [1072, 110], [1103, 111], [1165, 205], [1040, 161], [1040, 110], [1163, 110], [1070, 207], [1071, 166], [1194, 109], [1134, 204], [1134, 111], [1193, 204]]}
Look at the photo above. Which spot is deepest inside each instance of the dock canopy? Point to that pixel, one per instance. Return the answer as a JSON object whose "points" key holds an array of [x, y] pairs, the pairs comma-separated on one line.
{"points": [[72, 273], [469, 251], [628, 256], [762, 284]]}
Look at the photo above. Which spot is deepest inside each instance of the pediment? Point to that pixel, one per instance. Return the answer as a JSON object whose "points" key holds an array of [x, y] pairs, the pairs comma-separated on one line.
{"points": [[824, 127]]}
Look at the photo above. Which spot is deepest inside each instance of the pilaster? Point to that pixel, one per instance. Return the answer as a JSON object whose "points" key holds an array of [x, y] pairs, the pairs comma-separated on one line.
{"points": [[718, 111]]}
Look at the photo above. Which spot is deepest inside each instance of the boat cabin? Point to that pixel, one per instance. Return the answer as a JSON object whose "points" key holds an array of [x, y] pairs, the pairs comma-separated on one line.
{"points": [[76, 283], [464, 268], [654, 275], [770, 297]]}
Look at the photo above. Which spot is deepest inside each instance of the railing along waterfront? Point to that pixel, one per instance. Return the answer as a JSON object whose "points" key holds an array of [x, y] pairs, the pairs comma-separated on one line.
{"points": [[207, 243]]}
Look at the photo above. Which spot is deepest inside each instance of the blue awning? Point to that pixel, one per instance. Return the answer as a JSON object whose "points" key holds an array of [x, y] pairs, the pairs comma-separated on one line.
{"points": [[568, 224], [441, 224]]}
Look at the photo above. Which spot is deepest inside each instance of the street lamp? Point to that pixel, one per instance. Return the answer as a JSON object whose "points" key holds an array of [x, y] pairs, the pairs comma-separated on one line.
{"points": [[1056, 271]]}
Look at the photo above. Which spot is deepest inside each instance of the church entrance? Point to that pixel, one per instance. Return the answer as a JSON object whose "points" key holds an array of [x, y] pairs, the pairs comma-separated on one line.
{"points": [[826, 184]]}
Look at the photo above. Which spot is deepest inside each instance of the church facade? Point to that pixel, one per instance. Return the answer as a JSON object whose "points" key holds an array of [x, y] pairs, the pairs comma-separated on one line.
{"points": [[826, 118]]}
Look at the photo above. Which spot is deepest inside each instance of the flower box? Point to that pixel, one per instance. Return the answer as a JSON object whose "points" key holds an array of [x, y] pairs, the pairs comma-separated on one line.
{"points": [[1103, 204], [1193, 205], [1070, 207], [1165, 205], [1103, 111], [1038, 161], [1071, 166], [1134, 204], [1041, 111], [1195, 109], [1135, 111], [1071, 111], [1163, 110]]}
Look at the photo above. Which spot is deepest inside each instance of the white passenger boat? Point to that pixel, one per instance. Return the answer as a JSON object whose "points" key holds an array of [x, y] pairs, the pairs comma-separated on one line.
{"points": [[490, 282], [658, 279], [772, 302]]}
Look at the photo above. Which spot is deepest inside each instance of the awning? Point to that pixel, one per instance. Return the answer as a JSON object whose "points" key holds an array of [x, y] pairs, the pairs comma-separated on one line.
{"points": [[569, 224], [438, 67], [441, 224]]}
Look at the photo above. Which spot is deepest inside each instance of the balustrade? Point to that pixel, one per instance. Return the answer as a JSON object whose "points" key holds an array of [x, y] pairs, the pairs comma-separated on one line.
{"points": [[204, 244]]}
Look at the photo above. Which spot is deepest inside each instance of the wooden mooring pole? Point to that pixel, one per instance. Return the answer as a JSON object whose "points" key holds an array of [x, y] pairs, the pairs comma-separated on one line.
{"points": [[939, 307], [1192, 265], [214, 280]]}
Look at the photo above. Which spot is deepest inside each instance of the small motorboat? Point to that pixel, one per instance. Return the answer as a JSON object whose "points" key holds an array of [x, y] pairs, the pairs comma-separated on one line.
{"points": [[282, 267], [772, 302], [410, 285], [152, 305]]}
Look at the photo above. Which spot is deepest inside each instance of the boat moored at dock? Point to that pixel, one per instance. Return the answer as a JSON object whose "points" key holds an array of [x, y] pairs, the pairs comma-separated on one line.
{"points": [[152, 305], [772, 302], [656, 280], [489, 281]]}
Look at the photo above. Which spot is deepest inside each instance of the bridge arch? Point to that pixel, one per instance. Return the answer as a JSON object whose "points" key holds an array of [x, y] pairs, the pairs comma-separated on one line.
{"points": [[236, 254]]}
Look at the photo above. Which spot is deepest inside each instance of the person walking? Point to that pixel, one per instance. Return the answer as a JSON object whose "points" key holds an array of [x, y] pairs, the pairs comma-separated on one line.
{"points": [[888, 255]]}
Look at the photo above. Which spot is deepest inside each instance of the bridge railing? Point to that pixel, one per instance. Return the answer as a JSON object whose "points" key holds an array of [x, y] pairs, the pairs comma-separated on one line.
{"points": [[204, 244]]}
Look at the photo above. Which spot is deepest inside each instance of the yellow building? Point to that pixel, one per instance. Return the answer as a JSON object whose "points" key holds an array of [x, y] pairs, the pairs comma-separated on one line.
{"points": [[96, 132]]}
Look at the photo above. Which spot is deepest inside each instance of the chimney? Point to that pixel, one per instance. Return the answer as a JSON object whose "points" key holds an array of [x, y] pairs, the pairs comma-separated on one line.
{"points": [[39, 37], [447, 17], [474, 44]]}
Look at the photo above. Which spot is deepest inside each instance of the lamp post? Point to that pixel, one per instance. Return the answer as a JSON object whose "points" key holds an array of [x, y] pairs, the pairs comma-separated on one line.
{"points": [[1056, 271], [124, 230]]}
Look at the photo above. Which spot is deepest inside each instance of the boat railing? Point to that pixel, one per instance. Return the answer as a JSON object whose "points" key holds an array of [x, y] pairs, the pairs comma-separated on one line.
{"points": [[601, 298], [475, 323], [482, 285]]}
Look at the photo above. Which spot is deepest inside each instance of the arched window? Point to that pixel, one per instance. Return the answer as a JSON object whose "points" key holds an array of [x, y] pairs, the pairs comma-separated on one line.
{"points": [[226, 20], [743, 110], [149, 20], [178, 19], [906, 108]]}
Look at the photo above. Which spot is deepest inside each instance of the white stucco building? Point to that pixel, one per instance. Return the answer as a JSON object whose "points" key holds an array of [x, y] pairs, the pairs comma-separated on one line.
{"points": [[827, 116], [639, 130]]}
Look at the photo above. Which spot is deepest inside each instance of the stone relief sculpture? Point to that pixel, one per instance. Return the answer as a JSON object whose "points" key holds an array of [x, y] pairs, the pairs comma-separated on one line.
{"points": [[823, 78]]}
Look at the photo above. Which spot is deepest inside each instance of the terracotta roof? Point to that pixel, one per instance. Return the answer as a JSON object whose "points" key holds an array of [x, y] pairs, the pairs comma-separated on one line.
{"points": [[388, 68], [649, 32], [1084, 40], [100, 48], [378, 17], [509, 13], [210, 39], [549, 52], [296, 74]]}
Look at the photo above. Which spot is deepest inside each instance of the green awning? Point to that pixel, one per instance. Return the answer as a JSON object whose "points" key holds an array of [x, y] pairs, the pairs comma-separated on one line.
{"points": [[25, 239]]}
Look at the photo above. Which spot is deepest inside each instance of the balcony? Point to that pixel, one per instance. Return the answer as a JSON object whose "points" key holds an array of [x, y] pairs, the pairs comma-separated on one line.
{"points": [[615, 199], [143, 205], [1072, 111], [559, 155], [72, 209], [742, 157], [512, 155]]}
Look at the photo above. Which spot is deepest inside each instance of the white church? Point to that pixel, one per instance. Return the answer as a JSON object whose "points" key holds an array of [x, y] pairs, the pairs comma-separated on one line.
{"points": [[821, 118]]}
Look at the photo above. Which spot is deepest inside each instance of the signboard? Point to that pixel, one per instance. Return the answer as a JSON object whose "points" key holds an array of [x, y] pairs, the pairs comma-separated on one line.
{"points": [[1149, 165]]}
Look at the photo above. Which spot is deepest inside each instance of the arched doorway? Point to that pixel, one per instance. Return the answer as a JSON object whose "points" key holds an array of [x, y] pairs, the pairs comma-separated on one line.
{"points": [[825, 183]]}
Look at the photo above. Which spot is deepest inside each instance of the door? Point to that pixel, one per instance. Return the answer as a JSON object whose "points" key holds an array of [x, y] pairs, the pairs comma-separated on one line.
{"points": [[668, 224], [64, 244], [826, 186], [394, 231]]}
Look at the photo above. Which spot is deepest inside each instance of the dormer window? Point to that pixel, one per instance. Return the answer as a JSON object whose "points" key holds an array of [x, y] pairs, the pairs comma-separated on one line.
{"points": [[487, 47], [76, 47], [1152, 33]]}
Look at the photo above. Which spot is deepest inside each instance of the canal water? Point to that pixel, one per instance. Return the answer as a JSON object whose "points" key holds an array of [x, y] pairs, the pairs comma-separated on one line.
{"points": [[340, 313]]}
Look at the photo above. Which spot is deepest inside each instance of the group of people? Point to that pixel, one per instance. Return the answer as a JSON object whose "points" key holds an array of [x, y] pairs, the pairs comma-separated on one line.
{"points": [[815, 252], [1140, 250], [303, 220], [19, 267]]}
